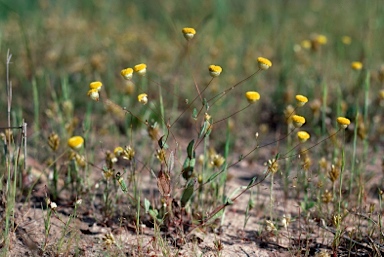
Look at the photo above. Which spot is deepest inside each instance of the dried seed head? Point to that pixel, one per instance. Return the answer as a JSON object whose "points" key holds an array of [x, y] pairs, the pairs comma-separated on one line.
{"points": [[53, 141]]}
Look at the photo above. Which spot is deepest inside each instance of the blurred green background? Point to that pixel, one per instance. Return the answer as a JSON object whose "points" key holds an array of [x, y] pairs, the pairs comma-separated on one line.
{"points": [[58, 47]]}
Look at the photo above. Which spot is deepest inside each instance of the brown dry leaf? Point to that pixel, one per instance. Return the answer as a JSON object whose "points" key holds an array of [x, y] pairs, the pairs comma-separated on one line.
{"points": [[164, 184]]}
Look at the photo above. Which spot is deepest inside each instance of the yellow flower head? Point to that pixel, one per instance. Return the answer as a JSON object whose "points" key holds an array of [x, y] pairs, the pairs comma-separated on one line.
{"points": [[321, 39], [356, 65], [96, 85], [298, 121], [189, 33], [264, 63], [346, 40], [343, 122], [252, 96], [143, 98], [76, 142], [127, 73], [306, 44], [303, 136], [118, 151], [94, 94], [301, 100], [215, 70], [140, 69]]}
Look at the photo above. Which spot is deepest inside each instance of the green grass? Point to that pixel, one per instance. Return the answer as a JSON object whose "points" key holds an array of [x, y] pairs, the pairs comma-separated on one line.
{"points": [[179, 179]]}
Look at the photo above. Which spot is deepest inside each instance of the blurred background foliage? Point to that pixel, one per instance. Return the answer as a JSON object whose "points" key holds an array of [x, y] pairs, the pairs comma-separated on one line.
{"points": [[61, 46]]}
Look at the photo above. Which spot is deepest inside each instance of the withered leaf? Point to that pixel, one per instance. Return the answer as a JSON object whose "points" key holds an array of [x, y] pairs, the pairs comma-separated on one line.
{"points": [[164, 184]]}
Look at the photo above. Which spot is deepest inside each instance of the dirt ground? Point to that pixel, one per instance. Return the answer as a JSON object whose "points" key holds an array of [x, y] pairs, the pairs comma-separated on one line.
{"points": [[304, 235]]}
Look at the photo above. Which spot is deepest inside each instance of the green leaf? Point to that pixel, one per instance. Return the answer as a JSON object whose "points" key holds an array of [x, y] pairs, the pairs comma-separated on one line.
{"points": [[205, 103], [252, 181], [153, 213], [187, 194], [190, 151], [194, 114], [147, 205], [204, 129]]}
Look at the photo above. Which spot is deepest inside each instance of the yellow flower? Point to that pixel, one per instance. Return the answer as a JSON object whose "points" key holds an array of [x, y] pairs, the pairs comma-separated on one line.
{"points": [[356, 65], [298, 121], [189, 33], [321, 39], [118, 151], [343, 122], [264, 63], [303, 136], [95, 85], [140, 69], [143, 98], [301, 100], [93, 94], [76, 142], [127, 73], [215, 70], [252, 96], [346, 40], [306, 44]]}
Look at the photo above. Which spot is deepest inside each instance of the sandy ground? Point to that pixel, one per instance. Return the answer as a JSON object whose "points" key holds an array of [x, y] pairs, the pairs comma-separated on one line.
{"points": [[86, 231]]}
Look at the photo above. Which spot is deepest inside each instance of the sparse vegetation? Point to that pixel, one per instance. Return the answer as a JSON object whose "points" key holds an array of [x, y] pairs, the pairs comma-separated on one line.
{"points": [[160, 129]]}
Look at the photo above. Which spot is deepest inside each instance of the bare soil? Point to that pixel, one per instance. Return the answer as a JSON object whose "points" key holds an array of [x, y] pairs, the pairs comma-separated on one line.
{"points": [[305, 235]]}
